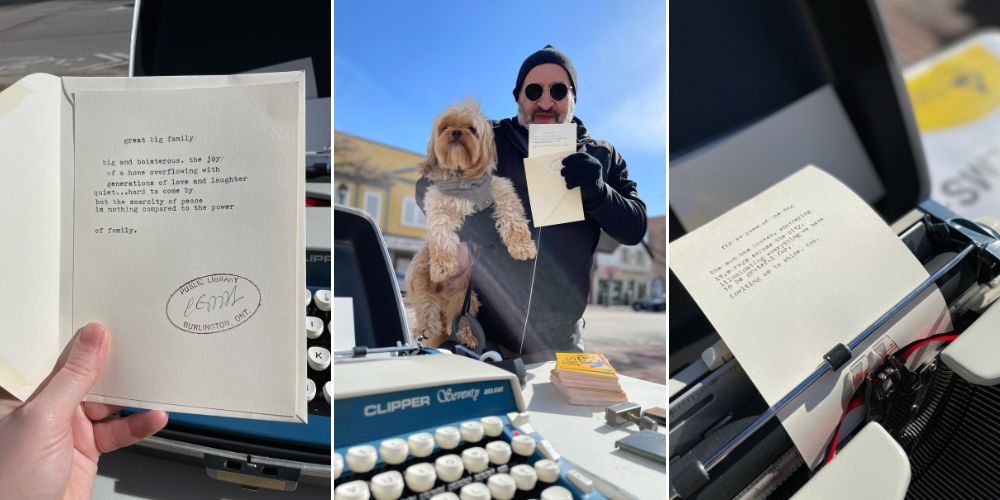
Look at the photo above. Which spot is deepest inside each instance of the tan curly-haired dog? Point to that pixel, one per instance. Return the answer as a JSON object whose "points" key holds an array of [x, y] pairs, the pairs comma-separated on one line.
{"points": [[461, 158]]}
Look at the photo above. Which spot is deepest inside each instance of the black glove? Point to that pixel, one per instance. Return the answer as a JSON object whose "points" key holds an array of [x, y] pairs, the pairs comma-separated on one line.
{"points": [[585, 172]]}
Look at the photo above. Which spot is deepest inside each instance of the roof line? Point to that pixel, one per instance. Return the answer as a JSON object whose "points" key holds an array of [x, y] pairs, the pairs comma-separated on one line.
{"points": [[378, 143]]}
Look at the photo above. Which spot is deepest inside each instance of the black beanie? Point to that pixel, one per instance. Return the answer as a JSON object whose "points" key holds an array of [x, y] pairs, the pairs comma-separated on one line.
{"points": [[546, 55]]}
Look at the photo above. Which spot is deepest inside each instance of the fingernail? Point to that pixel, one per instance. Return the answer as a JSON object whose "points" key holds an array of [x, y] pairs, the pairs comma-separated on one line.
{"points": [[93, 335]]}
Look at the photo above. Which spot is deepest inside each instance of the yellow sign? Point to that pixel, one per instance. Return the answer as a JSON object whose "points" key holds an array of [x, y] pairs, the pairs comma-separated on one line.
{"points": [[956, 90]]}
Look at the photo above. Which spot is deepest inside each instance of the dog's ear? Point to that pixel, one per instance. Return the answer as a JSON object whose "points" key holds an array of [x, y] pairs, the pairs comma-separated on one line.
{"points": [[430, 163], [487, 147]]}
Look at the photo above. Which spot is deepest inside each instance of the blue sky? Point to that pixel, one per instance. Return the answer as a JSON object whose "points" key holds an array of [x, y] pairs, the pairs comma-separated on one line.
{"points": [[397, 64]]}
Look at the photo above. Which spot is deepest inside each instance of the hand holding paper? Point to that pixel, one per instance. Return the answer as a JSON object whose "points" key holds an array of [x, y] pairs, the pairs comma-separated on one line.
{"points": [[550, 200]]}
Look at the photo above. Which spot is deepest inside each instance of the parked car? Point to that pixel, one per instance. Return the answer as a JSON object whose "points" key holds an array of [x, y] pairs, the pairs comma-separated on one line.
{"points": [[652, 304]]}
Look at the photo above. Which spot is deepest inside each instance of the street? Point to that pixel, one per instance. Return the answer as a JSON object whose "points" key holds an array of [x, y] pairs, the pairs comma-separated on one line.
{"points": [[64, 38]]}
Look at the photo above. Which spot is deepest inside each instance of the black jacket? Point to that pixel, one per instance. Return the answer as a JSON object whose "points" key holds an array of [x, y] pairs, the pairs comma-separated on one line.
{"points": [[566, 251]]}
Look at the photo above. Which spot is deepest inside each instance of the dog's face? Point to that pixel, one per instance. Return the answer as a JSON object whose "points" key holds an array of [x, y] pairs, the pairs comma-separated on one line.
{"points": [[461, 145]]}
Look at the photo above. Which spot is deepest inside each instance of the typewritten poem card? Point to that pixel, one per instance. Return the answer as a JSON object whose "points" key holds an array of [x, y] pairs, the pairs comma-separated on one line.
{"points": [[179, 200]]}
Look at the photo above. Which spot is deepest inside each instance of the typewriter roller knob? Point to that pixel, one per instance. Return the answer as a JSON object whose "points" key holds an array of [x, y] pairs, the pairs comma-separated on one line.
{"points": [[474, 491], [393, 451], [421, 444], [361, 459], [354, 490], [524, 476], [492, 426], [338, 465], [449, 468], [547, 470], [475, 459], [387, 485], [523, 445], [472, 432], [420, 477], [502, 486], [556, 493], [499, 452], [447, 437]]}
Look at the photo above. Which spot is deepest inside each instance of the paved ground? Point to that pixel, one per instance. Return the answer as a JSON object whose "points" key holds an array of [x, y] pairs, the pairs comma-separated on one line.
{"points": [[65, 38], [634, 342]]}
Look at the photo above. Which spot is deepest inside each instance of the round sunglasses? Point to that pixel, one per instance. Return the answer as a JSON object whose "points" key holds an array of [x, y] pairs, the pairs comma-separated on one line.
{"points": [[558, 91]]}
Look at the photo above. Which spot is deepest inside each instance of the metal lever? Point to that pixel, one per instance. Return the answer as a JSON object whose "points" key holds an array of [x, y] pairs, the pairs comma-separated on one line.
{"points": [[696, 474]]}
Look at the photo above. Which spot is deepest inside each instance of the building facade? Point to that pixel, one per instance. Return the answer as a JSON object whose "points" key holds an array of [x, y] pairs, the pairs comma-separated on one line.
{"points": [[381, 180]]}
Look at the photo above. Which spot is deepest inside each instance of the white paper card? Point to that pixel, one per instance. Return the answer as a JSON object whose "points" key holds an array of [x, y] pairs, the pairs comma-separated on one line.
{"points": [[548, 199], [343, 323], [789, 274], [546, 139]]}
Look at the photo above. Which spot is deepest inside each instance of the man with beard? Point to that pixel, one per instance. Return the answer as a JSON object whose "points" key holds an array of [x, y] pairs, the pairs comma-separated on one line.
{"points": [[534, 309]]}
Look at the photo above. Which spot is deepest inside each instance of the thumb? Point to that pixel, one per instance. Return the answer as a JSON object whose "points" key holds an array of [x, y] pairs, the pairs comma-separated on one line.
{"points": [[76, 372]]}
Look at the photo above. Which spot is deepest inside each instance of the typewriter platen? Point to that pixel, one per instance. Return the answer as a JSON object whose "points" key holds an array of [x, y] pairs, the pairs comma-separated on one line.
{"points": [[439, 426]]}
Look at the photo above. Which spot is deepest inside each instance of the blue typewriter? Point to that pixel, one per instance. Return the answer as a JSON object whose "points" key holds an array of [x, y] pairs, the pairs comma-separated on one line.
{"points": [[417, 423]]}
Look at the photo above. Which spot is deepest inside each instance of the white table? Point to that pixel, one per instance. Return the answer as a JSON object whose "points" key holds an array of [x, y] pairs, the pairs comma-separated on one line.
{"points": [[580, 435]]}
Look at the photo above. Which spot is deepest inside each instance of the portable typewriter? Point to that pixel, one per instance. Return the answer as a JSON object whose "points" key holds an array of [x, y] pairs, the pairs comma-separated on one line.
{"points": [[925, 432], [418, 423]]}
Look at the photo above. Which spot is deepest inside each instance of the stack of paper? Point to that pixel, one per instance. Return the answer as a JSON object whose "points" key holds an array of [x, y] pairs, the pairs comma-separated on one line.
{"points": [[587, 379]]}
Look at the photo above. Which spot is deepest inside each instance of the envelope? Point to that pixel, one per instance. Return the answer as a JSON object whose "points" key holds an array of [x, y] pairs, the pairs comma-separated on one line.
{"points": [[551, 203]]}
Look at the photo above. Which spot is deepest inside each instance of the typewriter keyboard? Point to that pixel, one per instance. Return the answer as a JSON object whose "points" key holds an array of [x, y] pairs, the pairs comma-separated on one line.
{"points": [[318, 341], [500, 457]]}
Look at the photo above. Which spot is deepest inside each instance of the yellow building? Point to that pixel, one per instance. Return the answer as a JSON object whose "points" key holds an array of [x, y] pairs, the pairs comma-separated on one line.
{"points": [[381, 180]]}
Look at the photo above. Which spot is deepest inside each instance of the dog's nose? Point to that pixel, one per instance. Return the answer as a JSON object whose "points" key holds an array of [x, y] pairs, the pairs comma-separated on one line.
{"points": [[455, 134]]}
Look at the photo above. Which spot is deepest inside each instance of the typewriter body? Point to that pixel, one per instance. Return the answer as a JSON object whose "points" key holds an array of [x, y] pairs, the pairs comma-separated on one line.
{"points": [[186, 37], [928, 432], [414, 422]]}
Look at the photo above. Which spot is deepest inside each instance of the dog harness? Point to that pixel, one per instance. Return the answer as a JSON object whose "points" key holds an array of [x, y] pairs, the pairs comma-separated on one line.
{"points": [[478, 191]]}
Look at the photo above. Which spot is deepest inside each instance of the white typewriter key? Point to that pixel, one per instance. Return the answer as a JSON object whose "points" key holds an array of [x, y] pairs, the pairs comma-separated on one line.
{"points": [[420, 477], [328, 390], [309, 296], [421, 444], [387, 485], [523, 445], [475, 459], [314, 327], [472, 432], [493, 426], [447, 437], [338, 465], [318, 358], [556, 493], [524, 476], [361, 459], [502, 486], [449, 468], [354, 490], [547, 470], [499, 452], [445, 496], [310, 389], [474, 491], [393, 451], [323, 298]]}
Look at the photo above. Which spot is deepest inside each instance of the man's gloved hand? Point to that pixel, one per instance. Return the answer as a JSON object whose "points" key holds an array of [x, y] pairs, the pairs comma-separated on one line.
{"points": [[585, 172]]}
